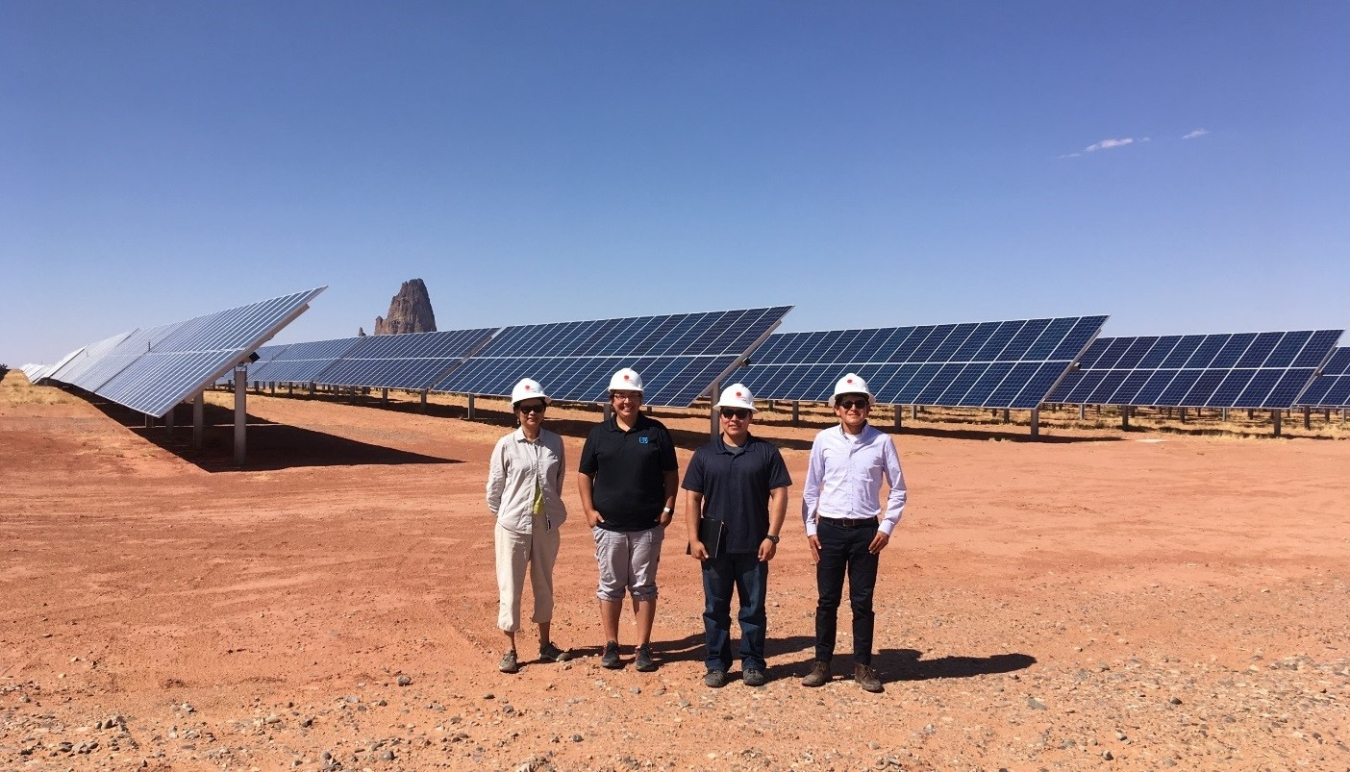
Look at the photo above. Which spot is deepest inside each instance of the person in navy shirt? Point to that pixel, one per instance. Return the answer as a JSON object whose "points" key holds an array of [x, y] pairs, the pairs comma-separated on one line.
{"points": [[741, 481]]}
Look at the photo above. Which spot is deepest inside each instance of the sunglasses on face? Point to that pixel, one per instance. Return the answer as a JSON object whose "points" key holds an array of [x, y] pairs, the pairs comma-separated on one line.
{"points": [[740, 414], [849, 404], [532, 408]]}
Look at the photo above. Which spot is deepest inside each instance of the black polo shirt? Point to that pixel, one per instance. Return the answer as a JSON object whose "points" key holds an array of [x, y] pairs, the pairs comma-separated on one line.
{"points": [[735, 483], [629, 469]]}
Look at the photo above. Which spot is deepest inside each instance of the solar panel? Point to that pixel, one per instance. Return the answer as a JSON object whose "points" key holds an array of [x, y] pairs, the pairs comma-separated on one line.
{"points": [[414, 362], [184, 357], [1331, 387], [265, 354], [679, 356], [301, 362], [1242, 370], [84, 358], [1010, 364], [118, 357]]}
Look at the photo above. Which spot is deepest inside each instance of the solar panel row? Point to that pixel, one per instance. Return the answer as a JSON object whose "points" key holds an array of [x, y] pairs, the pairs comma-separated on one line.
{"points": [[1243, 370], [679, 356], [151, 370], [1332, 387], [1009, 364]]}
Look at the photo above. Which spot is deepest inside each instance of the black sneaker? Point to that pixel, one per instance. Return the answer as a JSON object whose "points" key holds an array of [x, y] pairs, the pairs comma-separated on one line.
{"points": [[610, 658], [644, 659], [715, 679], [753, 677]]}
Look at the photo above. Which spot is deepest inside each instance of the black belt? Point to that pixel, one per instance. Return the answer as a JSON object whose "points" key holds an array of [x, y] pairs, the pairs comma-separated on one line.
{"points": [[849, 522]]}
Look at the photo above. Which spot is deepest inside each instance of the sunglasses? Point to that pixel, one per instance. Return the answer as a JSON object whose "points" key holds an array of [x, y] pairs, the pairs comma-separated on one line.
{"points": [[741, 414], [849, 404], [532, 408]]}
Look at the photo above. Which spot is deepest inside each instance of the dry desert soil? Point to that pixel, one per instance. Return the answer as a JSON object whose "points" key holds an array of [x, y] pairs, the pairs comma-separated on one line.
{"points": [[1094, 600]]}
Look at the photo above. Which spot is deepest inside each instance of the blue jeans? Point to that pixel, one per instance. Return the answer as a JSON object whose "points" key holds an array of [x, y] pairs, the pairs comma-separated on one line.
{"points": [[844, 551], [750, 577]]}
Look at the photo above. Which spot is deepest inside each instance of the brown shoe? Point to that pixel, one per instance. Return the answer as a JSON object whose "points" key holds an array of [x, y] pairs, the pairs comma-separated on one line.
{"points": [[819, 675], [867, 678]]}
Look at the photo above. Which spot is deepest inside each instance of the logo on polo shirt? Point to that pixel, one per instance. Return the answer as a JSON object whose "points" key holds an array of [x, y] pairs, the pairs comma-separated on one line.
{"points": [[644, 440]]}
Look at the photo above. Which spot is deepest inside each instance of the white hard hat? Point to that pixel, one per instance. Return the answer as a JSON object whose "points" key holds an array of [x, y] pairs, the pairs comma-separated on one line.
{"points": [[851, 383], [528, 388], [736, 395], [626, 379]]}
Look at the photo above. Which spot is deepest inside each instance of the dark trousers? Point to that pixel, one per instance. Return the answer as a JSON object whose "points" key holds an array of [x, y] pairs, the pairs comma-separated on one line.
{"points": [[844, 551], [750, 578]]}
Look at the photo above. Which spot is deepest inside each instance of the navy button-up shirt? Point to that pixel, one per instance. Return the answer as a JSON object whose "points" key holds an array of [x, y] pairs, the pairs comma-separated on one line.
{"points": [[735, 483]]}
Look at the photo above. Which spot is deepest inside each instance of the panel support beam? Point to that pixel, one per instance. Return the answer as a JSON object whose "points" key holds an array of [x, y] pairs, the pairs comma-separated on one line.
{"points": [[1082, 412], [471, 413], [1035, 422], [796, 414], [1007, 416], [240, 415], [895, 409], [422, 401], [199, 420], [1307, 417], [384, 397], [1275, 417], [715, 392], [1124, 416]]}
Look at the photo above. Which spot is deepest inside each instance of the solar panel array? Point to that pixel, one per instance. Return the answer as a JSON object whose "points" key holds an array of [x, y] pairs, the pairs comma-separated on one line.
{"points": [[1331, 388], [151, 370], [679, 356], [415, 361], [1009, 364], [1242, 370], [301, 362]]}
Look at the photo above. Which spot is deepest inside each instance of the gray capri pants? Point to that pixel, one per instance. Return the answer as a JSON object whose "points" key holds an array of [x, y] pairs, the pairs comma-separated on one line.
{"points": [[628, 560]]}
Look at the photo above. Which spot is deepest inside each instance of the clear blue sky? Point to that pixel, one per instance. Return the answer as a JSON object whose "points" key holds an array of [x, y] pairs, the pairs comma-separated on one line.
{"points": [[1183, 167]]}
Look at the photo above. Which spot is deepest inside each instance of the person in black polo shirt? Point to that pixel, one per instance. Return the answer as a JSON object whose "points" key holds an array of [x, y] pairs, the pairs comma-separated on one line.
{"points": [[741, 481], [629, 477]]}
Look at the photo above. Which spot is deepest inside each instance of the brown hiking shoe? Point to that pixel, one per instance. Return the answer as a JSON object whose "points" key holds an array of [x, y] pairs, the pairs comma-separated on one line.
{"points": [[867, 678], [819, 675]]}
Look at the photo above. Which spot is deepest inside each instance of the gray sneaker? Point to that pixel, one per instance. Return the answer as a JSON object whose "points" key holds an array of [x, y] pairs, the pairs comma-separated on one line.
{"points": [[753, 677], [550, 652], [509, 663], [715, 679], [644, 659], [610, 658]]}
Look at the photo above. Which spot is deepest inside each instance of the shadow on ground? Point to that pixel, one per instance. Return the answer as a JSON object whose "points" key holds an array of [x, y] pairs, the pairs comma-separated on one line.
{"points": [[270, 446]]}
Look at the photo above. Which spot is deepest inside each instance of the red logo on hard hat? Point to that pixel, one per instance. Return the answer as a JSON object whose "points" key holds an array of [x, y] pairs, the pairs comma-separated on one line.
{"points": [[850, 380], [625, 377], [527, 387], [738, 394]]}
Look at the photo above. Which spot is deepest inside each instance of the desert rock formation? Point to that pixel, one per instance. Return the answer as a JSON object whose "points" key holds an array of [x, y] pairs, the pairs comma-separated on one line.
{"points": [[409, 311]]}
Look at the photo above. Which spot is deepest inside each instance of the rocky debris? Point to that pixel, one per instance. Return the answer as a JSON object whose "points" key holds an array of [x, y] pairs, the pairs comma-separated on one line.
{"points": [[409, 311]]}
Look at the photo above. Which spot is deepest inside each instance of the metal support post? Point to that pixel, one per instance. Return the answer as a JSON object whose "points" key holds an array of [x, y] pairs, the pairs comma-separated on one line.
{"points": [[1124, 416], [384, 396], [896, 410], [1007, 415], [199, 421], [1035, 422], [290, 389], [609, 410], [240, 415], [471, 413], [1275, 416], [796, 414], [1182, 412], [168, 420], [1307, 417], [311, 391], [149, 421], [1082, 412], [715, 392], [422, 401], [1223, 413], [272, 387], [914, 412]]}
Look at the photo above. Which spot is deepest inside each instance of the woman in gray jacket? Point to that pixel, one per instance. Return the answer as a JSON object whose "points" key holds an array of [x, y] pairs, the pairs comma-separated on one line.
{"points": [[523, 490]]}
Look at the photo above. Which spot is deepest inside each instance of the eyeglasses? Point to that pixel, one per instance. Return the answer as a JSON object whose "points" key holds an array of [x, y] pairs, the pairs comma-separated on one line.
{"points": [[740, 414], [619, 396], [535, 408], [849, 404]]}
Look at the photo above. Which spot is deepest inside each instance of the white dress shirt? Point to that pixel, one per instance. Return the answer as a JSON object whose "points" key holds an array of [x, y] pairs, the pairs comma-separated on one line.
{"points": [[843, 478], [520, 469]]}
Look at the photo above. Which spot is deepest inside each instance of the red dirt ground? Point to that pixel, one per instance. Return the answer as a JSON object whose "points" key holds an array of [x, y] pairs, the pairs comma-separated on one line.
{"points": [[1095, 600]]}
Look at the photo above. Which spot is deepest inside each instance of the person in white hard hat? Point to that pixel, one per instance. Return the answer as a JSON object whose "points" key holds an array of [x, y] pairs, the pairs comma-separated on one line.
{"points": [[628, 481], [841, 504], [741, 482], [524, 491]]}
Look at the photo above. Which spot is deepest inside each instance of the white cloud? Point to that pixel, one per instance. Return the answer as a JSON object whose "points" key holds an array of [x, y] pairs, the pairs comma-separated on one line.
{"points": [[1107, 144], [1196, 133]]}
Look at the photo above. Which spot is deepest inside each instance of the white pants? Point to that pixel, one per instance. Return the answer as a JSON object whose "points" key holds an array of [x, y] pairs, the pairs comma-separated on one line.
{"points": [[515, 551]]}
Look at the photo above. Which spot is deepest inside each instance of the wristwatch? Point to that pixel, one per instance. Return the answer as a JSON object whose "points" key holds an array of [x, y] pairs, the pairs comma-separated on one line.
{"points": [[772, 538]]}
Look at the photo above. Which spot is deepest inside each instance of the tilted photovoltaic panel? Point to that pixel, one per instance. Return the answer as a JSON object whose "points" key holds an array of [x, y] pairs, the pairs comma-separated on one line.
{"points": [[192, 354], [133, 346], [1009, 364], [679, 356], [1331, 387], [265, 354], [301, 362], [414, 361], [1242, 370]]}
